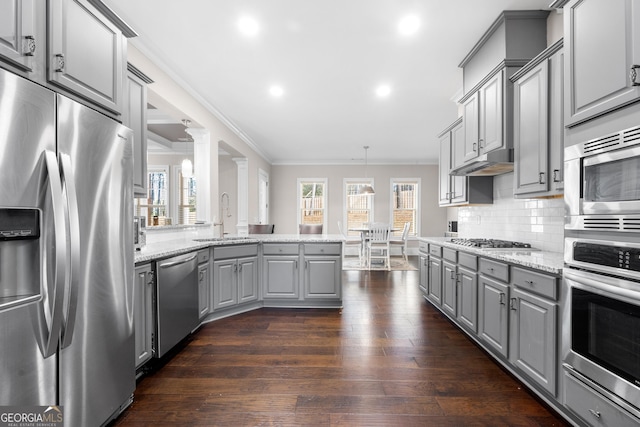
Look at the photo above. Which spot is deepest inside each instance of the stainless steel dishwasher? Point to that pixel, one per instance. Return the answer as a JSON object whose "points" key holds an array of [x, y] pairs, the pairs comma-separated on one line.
{"points": [[176, 299]]}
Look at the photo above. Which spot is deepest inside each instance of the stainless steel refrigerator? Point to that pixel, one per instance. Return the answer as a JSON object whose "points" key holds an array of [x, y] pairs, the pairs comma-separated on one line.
{"points": [[66, 255]]}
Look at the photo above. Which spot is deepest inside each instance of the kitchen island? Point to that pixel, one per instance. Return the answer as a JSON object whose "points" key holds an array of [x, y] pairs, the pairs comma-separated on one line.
{"points": [[228, 276]]}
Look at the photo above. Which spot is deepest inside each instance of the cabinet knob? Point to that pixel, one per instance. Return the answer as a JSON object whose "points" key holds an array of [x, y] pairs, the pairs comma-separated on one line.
{"points": [[59, 67], [480, 143], [501, 298], [29, 45], [556, 175], [595, 413], [541, 178], [512, 304], [633, 75]]}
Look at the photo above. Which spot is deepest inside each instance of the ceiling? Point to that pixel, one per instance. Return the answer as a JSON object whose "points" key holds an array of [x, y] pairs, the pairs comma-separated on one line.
{"points": [[328, 57]]}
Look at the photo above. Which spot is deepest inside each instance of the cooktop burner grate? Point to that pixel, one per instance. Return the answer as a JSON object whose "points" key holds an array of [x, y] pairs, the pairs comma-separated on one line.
{"points": [[490, 243]]}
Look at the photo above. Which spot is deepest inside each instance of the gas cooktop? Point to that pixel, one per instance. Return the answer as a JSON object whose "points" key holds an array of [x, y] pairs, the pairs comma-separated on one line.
{"points": [[490, 244]]}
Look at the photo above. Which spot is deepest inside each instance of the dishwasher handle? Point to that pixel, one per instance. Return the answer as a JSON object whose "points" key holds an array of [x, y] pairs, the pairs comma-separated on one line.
{"points": [[178, 261]]}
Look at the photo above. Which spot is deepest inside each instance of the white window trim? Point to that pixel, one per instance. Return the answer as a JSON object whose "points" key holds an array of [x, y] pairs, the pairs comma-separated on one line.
{"points": [[346, 181], [417, 181], [325, 181]]}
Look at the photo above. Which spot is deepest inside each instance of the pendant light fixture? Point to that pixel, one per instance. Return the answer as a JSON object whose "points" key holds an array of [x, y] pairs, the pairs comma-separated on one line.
{"points": [[187, 166], [367, 188]]}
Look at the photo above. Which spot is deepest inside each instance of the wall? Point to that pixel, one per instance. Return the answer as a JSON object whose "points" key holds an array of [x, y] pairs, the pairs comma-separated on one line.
{"points": [[536, 221], [284, 180]]}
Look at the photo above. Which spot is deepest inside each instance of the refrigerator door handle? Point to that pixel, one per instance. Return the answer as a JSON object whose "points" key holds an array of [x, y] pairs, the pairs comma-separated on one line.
{"points": [[50, 307], [73, 262]]}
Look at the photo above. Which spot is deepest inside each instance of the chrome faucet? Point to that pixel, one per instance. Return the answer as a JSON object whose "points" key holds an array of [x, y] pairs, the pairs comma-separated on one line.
{"points": [[223, 196]]}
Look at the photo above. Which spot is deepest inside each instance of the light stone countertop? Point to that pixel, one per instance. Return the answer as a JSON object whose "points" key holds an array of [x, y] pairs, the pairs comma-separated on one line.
{"points": [[179, 246], [549, 262]]}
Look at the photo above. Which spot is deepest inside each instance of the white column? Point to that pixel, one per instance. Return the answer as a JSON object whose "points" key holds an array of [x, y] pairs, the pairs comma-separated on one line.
{"points": [[202, 172], [243, 195]]}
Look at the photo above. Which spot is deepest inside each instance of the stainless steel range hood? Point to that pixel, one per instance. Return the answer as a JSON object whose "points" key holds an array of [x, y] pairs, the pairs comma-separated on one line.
{"points": [[493, 163]]}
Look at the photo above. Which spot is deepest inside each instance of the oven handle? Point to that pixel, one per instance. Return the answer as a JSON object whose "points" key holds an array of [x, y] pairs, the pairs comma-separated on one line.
{"points": [[605, 285]]}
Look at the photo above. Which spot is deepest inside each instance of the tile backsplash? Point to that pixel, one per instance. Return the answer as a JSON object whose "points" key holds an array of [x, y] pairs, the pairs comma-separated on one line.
{"points": [[536, 221]]}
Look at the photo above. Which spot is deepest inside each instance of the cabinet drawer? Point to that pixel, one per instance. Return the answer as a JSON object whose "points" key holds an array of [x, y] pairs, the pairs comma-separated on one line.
{"points": [[541, 284], [435, 250], [594, 408], [450, 254], [280, 249], [468, 261], [203, 256], [423, 247], [239, 251], [495, 269], [322, 248]]}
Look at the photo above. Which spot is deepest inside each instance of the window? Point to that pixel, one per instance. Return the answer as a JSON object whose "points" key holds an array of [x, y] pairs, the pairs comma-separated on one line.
{"points": [[312, 198], [186, 200], [357, 207], [168, 200], [405, 204], [156, 206]]}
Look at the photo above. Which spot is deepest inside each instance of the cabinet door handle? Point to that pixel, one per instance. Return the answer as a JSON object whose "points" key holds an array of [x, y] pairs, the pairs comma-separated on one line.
{"points": [[453, 275], [475, 147], [556, 175], [480, 143], [29, 45], [239, 267], [59, 68], [541, 178], [595, 413], [201, 276], [512, 304], [633, 75], [501, 300]]}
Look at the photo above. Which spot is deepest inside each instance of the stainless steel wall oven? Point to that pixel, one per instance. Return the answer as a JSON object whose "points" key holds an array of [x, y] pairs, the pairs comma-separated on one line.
{"points": [[601, 292]]}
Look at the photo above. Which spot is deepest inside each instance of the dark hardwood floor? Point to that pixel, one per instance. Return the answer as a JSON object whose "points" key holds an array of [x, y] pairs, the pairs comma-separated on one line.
{"points": [[387, 359]]}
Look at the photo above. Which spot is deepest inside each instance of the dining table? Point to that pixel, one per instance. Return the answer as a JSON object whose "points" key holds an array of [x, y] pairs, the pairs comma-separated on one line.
{"points": [[364, 237]]}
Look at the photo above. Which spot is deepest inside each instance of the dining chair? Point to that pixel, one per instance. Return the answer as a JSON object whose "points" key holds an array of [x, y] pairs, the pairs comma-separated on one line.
{"points": [[310, 229], [350, 241], [261, 228], [378, 245], [402, 242]]}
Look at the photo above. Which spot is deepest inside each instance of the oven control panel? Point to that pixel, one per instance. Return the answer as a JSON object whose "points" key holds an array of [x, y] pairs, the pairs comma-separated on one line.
{"points": [[626, 258]]}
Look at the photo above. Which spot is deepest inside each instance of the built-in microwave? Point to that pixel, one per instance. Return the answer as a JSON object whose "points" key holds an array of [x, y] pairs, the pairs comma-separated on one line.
{"points": [[602, 182]]}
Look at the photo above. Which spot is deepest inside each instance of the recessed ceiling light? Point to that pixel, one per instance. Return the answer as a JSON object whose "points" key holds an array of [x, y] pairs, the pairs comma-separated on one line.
{"points": [[409, 25], [383, 90], [276, 91], [248, 26]]}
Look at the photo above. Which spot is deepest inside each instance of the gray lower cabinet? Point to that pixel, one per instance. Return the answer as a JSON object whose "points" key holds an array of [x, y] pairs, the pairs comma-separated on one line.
{"points": [[449, 282], [204, 282], [235, 275], [603, 57], [434, 289], [493, 326], [468, 291], [143, 324], [533, 330], [423, 253], [322, 271], [280, 271]]}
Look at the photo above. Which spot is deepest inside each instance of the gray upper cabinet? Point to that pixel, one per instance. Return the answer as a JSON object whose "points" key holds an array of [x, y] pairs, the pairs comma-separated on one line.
{"points": [[22, 38], [134, 116], [86, 53], [538, 127], [483, 115], [603, 57], [459, 190]]}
